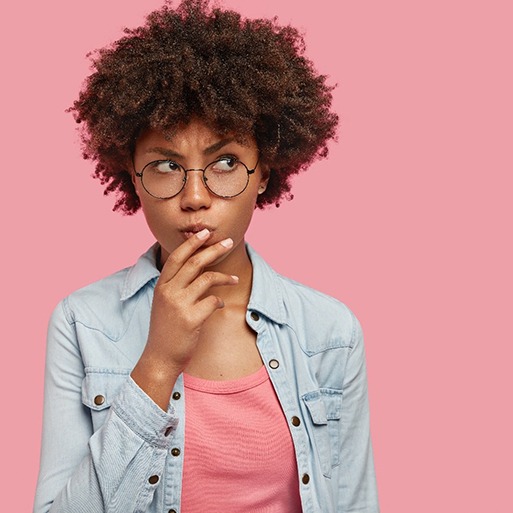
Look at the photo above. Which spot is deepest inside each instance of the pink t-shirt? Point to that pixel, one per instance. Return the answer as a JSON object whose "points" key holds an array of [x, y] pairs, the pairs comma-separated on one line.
{"points": [[238, 454]]}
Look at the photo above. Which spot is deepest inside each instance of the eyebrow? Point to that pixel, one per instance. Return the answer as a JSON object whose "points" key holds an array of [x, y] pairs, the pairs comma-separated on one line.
{"points": [[166, 152]]}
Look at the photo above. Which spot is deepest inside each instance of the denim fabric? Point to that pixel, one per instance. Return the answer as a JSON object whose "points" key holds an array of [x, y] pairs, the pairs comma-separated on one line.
{"points": [[107, 446]]}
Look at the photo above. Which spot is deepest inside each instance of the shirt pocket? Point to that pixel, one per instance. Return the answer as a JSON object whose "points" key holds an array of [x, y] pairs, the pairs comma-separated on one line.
{"points": [[324, 407], [99, 389]]}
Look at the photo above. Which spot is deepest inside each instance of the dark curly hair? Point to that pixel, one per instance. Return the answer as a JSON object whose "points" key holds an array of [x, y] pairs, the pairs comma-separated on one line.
{"points": [[238, 75]]}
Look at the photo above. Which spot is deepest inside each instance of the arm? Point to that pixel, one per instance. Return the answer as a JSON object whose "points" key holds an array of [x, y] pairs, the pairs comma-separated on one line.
{"points": [[107, 471], [118, 467], [181, 305], [357, 483]]}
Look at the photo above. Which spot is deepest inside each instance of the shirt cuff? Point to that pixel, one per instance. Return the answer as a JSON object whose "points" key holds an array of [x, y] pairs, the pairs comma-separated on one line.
{"points": [[143, 416]]}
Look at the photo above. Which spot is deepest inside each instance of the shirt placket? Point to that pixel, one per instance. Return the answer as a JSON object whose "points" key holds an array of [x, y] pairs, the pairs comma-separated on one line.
{"points": [[174, 460], [283, 383]]}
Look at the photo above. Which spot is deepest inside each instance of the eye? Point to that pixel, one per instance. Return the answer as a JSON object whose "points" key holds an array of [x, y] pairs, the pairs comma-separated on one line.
{"points": [[164, 167], [226, 165]]}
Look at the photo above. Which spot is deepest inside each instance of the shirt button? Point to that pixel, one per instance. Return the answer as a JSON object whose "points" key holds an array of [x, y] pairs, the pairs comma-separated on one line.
{"points": [[176, 396], [167, 432], [305, 479], [274, 364], [153, 479], [175, 451], [255, 316], [295, 421], [99, 400]]}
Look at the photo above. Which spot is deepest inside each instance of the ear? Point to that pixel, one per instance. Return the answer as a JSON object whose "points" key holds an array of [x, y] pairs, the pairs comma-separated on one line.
{"points": [[131, 171], [264, 180]]}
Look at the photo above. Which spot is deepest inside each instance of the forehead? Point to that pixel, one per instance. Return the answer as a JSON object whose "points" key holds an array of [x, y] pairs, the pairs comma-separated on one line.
{"points": [[195, 134]]}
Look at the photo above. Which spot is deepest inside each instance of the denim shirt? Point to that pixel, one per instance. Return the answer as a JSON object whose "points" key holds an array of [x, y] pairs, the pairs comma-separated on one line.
{"points": [[107, 447]]}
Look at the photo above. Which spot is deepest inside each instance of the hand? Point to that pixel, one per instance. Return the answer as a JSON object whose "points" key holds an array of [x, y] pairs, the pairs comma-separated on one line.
{"points": [[181, 305]]}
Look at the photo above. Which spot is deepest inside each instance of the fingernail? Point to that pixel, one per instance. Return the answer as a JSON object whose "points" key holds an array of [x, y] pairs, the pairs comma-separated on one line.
{"points": [[235, 278], [203, 234], [227, 243]]}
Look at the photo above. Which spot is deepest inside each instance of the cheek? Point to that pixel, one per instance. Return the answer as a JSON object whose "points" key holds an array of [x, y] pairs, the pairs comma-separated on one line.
{"points": [[242, 218], [158, 217], [152, 221]]}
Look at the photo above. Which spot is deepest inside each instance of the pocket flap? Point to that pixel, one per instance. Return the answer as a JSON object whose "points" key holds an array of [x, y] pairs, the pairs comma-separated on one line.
{"points": [[317, 410], [100, 387], [323, 405]]}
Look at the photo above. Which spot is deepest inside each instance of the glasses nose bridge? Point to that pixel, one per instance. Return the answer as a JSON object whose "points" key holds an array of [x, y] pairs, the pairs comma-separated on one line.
{"points": [[198, 169], [193, 169]]}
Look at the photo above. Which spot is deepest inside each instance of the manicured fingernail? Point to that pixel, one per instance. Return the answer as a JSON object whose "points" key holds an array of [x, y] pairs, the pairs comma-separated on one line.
{"points": [[203, 234], [235, 278], [227, 243]]}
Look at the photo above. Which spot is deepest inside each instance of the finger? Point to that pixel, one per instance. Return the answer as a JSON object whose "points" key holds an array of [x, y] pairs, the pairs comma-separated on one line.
{"points": [[195, 264], [206, 307], [205, 281], [182, 253]]}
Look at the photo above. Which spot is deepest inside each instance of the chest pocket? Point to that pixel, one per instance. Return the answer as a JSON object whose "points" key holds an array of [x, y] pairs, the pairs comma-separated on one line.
{"points": [[99, 388], [324, 407]]}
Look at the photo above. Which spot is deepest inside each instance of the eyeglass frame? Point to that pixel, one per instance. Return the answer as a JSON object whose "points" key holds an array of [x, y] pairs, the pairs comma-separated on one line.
{"points": [[185, 171]]}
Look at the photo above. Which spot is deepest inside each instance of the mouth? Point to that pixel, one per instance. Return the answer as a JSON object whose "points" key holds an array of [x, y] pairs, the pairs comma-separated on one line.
{"points": [[190, 230]]}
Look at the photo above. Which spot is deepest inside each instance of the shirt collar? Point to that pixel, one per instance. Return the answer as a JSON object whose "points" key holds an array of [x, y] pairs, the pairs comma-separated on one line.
{"points": [[266, 293], [144, 270]]}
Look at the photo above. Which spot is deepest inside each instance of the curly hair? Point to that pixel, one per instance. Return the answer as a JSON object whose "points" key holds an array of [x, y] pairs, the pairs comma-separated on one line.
{"points": [[237, 75]]}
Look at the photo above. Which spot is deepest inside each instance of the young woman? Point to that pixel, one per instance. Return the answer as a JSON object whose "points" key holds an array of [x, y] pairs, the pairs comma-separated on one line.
{"points": [[200, 379]]}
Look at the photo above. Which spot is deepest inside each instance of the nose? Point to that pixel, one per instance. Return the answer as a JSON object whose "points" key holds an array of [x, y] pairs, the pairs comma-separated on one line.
{"points": [[195, 195]]}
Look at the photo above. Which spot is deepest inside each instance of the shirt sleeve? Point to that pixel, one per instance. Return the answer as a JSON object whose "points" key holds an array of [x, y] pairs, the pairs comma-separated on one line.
{"points": [[357, 485], [114, 469]]}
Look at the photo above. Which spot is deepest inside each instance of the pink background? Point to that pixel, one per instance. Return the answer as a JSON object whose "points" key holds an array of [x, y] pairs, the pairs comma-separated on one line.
{"points": [[408, 222]]}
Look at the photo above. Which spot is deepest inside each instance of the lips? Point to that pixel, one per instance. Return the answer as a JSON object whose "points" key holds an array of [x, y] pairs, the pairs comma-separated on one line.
{"points": [[190, 230]]}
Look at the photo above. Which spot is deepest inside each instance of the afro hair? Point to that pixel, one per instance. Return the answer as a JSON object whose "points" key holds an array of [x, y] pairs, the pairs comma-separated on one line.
{"points": [[244, 76]]}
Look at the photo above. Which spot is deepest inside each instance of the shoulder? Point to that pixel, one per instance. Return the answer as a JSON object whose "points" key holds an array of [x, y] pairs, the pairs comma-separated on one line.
{"points": [[320, 321], [96, 306], [324, 317], [108, 304], [96, 296]]}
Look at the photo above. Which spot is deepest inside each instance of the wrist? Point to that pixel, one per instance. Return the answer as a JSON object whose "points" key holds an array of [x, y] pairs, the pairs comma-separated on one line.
{"points": [[156, 378]]}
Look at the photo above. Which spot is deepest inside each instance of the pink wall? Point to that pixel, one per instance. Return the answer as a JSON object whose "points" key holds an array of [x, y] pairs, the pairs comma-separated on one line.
{"points": [[408, 222]]}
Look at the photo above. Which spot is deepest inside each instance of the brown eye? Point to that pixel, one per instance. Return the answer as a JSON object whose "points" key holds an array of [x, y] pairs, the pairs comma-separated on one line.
{"points": [[165, 167], [225, 165]]}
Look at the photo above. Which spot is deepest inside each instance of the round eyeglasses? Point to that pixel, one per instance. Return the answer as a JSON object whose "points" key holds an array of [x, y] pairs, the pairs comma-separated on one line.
{"points": [[226, 177]]}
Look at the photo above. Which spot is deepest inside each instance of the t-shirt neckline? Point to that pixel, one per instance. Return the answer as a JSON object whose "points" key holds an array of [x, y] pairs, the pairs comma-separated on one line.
{"points": [[231, 386]]}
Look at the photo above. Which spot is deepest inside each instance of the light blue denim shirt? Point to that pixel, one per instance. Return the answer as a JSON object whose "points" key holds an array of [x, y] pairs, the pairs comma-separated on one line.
{"points": [[107, 447]]}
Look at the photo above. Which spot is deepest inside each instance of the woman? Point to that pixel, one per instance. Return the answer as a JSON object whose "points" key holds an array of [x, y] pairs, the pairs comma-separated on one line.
{"points": [[199, 378]]}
